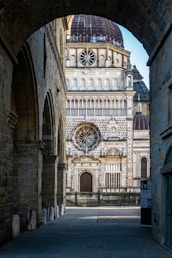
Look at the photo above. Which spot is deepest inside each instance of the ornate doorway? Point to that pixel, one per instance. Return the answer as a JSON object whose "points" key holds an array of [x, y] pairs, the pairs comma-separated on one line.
{"points": [[86, 182]]}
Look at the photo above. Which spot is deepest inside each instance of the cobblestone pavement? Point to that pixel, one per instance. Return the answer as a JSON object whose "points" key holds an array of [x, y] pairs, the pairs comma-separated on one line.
{"points": [[89, 233]]}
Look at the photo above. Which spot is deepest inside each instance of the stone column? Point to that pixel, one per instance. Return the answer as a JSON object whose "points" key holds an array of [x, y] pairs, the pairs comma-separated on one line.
{"points": [[49, 181], [28, 175], [61, 184], [129, 99]]}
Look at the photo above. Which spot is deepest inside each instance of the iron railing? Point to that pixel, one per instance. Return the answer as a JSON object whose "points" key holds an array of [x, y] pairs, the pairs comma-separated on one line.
{"points": [[85, 199]]}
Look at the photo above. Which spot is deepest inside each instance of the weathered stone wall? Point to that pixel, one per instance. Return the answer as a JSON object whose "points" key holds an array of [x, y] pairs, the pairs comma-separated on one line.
{"points": [[54, 83], [6, 143], [161, 139], [28, 176], [22, 153]]}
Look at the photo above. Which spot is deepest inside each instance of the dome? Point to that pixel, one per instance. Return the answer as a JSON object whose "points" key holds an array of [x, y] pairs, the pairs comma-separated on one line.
{"points": [[89, 28], [140, 122]]}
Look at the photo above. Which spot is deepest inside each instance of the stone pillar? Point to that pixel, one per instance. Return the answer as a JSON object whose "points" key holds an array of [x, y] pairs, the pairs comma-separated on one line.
{"points": [[28, 178], [61, 184], [50, 213], [44, 216], [129, 99], [15, 226], [31, 220], [49, 181]]}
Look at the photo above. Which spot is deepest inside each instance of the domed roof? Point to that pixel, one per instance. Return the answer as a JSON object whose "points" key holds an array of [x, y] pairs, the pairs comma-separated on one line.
{"points": [[140, 122], [89, 28]]}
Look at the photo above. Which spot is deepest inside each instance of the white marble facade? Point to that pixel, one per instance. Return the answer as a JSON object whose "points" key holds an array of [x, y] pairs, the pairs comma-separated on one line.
{"points": [[102, 103]]}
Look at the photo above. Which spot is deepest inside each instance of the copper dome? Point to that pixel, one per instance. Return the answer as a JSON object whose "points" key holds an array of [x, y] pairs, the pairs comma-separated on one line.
{"points": [[89, 28], [140, 122]]}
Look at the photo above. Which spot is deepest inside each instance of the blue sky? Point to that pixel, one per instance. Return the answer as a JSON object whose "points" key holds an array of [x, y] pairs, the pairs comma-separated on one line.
{"points": [[139, 57]]}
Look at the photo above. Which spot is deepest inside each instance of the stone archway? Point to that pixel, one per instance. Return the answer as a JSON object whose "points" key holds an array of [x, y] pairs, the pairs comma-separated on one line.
{"points": [[49, 171], [23, 119], [151, 25], [16, 17]]}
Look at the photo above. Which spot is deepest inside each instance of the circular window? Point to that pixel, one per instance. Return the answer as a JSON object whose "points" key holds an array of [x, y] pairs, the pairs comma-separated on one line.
{"points": [[87, 57], [86, 137]]}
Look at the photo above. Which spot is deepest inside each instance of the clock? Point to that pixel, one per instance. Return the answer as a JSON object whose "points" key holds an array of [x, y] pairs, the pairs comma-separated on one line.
{"points": [[86, 137], [87, 57]]}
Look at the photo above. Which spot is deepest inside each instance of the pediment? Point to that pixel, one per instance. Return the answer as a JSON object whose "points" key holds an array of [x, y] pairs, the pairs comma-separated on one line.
{"points": [[86, 159]]}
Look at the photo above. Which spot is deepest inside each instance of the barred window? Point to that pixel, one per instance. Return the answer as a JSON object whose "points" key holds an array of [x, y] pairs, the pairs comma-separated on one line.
{"points": [[112, 179], [112, 167]]}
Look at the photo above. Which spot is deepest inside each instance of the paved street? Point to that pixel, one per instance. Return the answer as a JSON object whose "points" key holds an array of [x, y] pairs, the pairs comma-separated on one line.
{"points": [[89, 233]]}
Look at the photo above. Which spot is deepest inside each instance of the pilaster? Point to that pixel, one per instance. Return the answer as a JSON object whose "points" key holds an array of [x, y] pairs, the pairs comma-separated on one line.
{"points": [[49, 181], [61, 183], [27, 174]]}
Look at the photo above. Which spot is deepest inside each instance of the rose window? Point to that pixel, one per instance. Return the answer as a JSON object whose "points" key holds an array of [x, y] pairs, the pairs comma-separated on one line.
{"points": [[87, 57], [86, 137]]}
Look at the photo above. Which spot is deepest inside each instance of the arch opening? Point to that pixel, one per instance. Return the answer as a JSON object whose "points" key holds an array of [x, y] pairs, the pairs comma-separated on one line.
{"points": [[139, 25], [49, 175], [23, 119], [151, 35]]}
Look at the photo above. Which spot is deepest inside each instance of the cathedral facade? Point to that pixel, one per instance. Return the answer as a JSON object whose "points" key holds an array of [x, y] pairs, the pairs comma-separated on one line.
{"points": [[107, 122]]}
